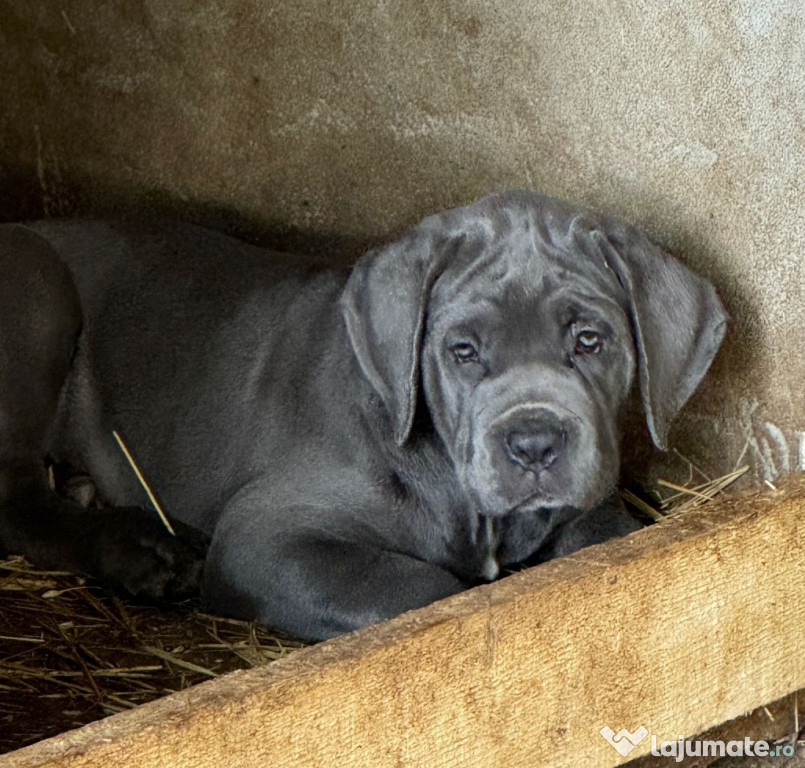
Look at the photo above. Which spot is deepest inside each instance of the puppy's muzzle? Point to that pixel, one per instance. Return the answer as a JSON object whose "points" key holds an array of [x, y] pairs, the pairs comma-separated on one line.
{"points": [[535, 440]]}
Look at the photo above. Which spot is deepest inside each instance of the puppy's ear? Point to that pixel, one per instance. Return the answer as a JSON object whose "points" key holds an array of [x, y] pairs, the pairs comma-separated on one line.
{"points": [[677, 319], [384, 306]]}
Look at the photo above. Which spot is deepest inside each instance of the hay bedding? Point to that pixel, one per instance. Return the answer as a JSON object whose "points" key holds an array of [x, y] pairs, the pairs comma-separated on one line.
{"points": [[72, 652]]}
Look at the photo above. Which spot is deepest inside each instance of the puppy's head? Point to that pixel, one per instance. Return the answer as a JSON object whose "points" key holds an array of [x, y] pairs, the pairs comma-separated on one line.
{"points": [[525, 320]]}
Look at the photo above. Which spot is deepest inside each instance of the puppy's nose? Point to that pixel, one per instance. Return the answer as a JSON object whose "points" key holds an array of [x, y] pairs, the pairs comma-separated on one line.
{"points": [[535, 447]]}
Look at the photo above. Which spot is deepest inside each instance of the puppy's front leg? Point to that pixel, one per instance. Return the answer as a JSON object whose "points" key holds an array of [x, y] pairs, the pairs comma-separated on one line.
{"points": [[127, 548], [303, 575]]}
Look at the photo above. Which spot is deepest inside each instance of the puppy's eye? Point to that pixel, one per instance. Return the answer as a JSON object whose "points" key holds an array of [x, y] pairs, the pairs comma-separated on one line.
{"points": [[588, 343], [464, 352]]}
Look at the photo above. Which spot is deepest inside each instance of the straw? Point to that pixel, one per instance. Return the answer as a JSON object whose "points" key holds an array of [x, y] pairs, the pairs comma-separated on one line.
{"points": [[144, 484]]}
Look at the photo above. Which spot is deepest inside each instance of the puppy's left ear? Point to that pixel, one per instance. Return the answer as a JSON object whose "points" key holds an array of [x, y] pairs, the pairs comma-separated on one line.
{"points": [[384, 305], [678, 322]]}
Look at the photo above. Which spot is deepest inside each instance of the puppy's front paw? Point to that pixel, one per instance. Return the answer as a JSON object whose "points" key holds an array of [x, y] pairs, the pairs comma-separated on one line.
{"points": [[140, 556]]}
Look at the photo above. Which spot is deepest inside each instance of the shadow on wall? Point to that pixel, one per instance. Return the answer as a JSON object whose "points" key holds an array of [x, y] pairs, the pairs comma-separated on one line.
{"points": [[28, 192]]}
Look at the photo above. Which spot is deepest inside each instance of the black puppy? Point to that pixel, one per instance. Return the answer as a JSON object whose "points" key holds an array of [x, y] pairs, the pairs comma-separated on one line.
{"points": [[355, 445]]}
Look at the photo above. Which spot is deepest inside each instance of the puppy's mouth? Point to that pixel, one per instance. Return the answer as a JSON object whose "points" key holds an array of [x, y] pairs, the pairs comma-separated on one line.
{"points": [[500, 505], [545, 493], [532, 490], [536, 501]]}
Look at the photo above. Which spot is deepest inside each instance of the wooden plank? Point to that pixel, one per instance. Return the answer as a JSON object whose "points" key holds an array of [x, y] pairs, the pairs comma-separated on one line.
{"points": [[677, 628], [776, 722]]}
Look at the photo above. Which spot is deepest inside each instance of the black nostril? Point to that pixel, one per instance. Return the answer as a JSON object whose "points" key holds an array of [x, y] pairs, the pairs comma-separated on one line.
{"points": [[534, 448]]}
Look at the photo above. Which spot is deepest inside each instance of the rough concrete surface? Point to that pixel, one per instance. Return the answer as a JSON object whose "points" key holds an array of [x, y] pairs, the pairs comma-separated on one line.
{"points": [[320, 124]]}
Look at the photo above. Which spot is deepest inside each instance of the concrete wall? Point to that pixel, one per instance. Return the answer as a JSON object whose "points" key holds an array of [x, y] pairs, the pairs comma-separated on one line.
{"points": [[314, 123]]}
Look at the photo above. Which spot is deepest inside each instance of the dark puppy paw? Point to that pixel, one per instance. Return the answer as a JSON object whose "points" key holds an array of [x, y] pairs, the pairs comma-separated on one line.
{"points": [[137, 554]]}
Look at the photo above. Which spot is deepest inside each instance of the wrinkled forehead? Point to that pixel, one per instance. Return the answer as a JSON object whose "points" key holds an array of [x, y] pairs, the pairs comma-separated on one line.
{"points": [[518, 261]]}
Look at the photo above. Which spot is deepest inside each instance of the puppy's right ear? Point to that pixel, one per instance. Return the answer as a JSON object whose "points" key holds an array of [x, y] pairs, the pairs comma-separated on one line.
{"points": [[384, 306]]}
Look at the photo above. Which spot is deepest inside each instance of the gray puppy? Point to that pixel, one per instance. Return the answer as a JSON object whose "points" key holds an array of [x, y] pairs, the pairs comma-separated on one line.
{"points": [[353, 444]]}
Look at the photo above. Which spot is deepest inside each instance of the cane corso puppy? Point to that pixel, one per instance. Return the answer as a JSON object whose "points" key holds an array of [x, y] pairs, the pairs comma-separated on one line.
{"points": [[353, 444]]}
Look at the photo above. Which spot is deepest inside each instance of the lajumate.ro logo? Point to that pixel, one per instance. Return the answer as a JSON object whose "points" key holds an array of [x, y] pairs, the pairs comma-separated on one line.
{"points": [[625, 741]]}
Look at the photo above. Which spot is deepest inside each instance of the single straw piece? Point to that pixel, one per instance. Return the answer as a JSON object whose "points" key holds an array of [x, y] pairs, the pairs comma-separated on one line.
{"points": [[145, 486]]}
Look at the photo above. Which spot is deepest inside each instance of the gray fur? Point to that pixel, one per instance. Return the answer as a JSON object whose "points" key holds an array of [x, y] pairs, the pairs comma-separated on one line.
{"points": [[319, 426]]}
